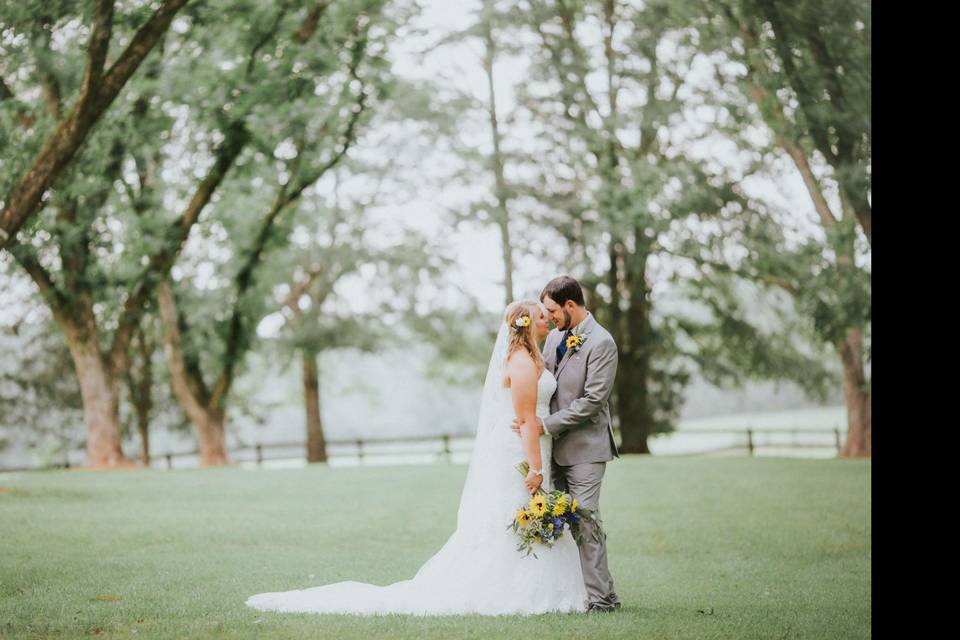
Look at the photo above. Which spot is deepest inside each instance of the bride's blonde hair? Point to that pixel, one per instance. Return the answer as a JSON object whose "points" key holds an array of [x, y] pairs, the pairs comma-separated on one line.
{"points": [[522, 336]]}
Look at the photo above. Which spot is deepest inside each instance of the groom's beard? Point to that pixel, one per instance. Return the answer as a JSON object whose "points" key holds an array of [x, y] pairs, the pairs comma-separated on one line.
{"points": [[567, 320]]}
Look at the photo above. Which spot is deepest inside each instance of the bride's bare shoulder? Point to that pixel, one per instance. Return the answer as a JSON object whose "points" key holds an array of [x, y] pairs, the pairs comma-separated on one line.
{"points": [[520, 359], [521, 369]]}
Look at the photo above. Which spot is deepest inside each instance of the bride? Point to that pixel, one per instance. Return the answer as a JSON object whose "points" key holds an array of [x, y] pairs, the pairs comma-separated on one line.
{"points": [[479, 569]]}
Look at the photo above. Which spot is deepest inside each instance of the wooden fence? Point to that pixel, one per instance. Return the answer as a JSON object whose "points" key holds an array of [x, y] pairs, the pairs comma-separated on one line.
{"points": [[359, 450]]}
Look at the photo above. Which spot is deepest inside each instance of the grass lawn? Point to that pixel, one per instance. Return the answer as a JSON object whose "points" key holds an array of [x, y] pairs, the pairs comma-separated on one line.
{"points": [[699, 548]]}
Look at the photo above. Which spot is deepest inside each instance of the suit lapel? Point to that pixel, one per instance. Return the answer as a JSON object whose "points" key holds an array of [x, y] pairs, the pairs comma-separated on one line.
{"points": [[550, 354], [568, 354]]}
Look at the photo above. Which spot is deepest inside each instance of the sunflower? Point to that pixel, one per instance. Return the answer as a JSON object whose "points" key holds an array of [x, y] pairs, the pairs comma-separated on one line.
{"points": [[523, 518], [538, 505], [559, 507], [574, 342], [573, 506]]}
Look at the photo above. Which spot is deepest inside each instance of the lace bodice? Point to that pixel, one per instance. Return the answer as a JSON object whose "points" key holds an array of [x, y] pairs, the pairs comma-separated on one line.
{"points": [[546, 385]]}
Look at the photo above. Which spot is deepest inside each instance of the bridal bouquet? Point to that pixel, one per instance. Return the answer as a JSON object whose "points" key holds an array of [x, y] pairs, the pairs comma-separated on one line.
{"points": [[544, 519]]}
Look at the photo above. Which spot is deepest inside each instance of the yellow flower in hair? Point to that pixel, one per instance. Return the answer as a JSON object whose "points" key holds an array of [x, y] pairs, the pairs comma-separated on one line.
{"points": [[522, 321]]}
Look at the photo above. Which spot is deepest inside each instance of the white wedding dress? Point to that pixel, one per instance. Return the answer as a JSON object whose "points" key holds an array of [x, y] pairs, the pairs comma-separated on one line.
{"points": [[479, 569]]}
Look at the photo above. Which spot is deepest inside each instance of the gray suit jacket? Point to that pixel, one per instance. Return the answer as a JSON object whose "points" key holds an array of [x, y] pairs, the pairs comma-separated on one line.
{"points": [[579, 419]]}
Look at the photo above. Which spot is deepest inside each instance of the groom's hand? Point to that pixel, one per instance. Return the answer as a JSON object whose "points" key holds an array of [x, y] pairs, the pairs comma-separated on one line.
{"points": [[516, 426]]}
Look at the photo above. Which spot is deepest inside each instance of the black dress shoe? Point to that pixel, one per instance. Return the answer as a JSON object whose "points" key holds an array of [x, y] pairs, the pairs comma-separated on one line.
{"points": [[599, 608]]}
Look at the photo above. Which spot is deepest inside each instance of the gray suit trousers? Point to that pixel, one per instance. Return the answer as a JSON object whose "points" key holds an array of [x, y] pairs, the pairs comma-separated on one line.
{"points": [[582, 482]]}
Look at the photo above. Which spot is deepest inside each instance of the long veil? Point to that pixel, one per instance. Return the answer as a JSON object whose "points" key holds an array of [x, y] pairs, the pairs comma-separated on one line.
{"points": [[478, 500]]}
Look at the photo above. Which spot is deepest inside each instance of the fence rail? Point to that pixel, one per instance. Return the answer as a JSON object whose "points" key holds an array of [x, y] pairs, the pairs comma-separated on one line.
{"points": [[360, 449]]}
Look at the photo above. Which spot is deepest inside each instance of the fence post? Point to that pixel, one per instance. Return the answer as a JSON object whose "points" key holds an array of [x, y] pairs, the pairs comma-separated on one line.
{"points": [[836, 439], [359, 452], [169, 460], [446, 447], [750, 441], [259, 454]]}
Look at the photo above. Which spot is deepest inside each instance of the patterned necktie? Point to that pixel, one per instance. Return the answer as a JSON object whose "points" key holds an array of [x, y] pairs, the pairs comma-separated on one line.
{"points": [[562, 347]]}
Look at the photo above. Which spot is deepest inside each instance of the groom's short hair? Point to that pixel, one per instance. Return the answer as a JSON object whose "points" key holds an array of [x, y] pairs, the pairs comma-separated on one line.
{"points": [[561, 289]]}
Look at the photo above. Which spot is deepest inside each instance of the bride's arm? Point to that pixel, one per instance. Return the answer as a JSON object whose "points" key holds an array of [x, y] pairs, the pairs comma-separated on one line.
{"points": [[523, 388]]}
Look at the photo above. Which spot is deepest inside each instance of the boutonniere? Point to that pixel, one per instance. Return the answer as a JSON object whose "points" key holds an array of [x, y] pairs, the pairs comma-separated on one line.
{"points": [[575, 342]]}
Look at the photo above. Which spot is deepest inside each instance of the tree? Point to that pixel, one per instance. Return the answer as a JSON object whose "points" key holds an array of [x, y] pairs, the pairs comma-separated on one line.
{"points": [[139, 380], [202, 109], [71, 253], [824, 80], [502, 216], [606, 180], [619, 178], [98, 87], [336, 247], [805, 70], [306, 148], [477, 130]]}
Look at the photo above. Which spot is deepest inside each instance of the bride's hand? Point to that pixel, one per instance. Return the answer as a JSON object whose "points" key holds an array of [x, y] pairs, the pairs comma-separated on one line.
{"points": [[534, 480]]}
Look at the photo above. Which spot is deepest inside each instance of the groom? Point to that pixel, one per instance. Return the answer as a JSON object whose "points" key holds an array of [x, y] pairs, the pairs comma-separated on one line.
{"points": [[579, 419]]}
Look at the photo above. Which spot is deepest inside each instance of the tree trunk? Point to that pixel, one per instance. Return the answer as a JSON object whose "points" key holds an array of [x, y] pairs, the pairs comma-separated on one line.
{"points": [[316, 445], [145, 444], [189, 389], [211, 434], [503, 219], [861, 209], [857, 393], [631, 399], [141, 392], [142, 404], [633, 374], [98, 388], [96, 376], [633, 405]]}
